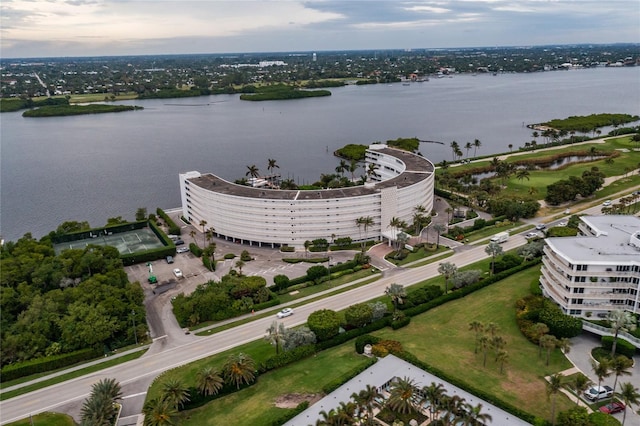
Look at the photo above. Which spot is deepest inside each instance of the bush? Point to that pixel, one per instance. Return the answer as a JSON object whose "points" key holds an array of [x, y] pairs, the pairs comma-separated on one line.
{"points": [[288, 357], [287, 249], [358, 315], [195, 249], [576, 416], [602, 419], [281, 282], [560, 325], [229, 256], [325, 323], [245, 256], [364, 340], [399, 323], [296, 337]]}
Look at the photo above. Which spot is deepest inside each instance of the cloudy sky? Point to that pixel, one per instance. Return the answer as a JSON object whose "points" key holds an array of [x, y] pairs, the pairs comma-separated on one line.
{"points": [[43, 28]]}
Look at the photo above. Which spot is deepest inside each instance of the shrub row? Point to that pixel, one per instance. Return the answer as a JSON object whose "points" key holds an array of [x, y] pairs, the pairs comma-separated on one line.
{"points": [[284, 358], [400, 323], [171, 225], [288, 416], [169, 249], [268, 304], [195, 249], [299, 260], [41, 365], [89, 233], [622, 347]]}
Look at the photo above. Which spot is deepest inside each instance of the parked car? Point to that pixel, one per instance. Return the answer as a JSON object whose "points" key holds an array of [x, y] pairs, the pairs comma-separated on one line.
{"points": [[612, 407], [179, 242], [607, 203], [177, 272], [596, 393], [169, 259], [285, 313], [182, 249]]}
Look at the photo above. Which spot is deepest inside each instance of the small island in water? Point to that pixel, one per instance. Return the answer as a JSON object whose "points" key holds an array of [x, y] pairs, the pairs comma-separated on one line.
{"points": [[64, 110]]}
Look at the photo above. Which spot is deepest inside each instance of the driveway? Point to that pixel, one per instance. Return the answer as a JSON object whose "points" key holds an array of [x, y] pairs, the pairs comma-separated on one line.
{"points": [[580, 356]]}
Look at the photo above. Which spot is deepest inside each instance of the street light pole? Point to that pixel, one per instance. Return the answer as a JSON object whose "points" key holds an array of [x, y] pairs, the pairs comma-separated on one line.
{"points": [[135, 335]]}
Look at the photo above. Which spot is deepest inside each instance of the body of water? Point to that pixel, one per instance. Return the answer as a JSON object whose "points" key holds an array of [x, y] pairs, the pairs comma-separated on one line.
{"points": [[100, 166]]}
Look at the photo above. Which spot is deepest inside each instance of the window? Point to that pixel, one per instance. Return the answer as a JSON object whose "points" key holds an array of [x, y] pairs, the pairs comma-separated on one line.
{"points": [[578, 290], [581, 267]]}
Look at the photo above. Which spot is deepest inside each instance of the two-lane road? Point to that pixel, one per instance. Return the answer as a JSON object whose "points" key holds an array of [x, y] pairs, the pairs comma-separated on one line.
{"points": [[144, 369]]}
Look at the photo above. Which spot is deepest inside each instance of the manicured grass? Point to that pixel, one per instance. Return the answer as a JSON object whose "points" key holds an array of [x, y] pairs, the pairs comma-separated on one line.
{"points": [[46, 419], [441, 337], [63, 378], [255, 405]]}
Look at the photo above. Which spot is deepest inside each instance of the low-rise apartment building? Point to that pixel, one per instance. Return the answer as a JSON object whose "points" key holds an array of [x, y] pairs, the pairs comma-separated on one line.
{"points": [[596, 271]]}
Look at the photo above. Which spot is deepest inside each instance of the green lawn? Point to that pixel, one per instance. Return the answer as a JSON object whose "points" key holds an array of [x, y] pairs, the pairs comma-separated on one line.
{"points": [[441, 337], [257, 402], [46, 419]]}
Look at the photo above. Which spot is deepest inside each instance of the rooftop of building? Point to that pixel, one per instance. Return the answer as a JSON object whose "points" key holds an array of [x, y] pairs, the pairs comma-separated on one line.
{"points": [[609, 245], [418, 168]]}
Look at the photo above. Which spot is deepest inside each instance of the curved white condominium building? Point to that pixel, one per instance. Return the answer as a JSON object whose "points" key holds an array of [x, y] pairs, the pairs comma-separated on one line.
{"points": [[274, 217]]}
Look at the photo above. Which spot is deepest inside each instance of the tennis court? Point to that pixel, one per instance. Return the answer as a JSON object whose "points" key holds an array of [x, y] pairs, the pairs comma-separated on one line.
{"points": [[126, 242]]}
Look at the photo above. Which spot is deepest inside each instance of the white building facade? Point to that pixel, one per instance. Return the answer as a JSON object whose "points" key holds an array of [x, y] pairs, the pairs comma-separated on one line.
{"points": [[259, 216], [597, 271]]}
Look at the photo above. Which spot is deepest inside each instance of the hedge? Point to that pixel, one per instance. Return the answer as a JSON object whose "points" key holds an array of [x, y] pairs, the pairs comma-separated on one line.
{"points": [[171, 225], [195, 249], [284, 358], [42, 365], [268, 304], [400, 323], [169, 249], [288, 416], [622, 347]]}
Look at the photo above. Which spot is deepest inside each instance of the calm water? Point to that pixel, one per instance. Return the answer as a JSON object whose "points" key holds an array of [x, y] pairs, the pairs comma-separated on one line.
{"points": [[96, 167]]}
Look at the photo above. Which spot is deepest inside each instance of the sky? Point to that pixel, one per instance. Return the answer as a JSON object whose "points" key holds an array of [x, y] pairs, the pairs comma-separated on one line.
{"points": [[55, 28]]}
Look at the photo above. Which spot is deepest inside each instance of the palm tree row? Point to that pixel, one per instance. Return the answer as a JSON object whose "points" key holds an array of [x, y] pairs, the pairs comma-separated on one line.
{"points": [[239, 369], [487, 337], [405, 398]]}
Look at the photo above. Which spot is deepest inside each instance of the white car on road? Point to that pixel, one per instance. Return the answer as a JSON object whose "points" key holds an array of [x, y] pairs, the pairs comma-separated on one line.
{"points": [[177, 272], [285, 313]]}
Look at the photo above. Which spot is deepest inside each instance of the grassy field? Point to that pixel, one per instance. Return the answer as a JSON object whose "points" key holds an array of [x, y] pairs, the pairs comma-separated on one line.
{"points": [[441, 337], [257, 402], [46, 419]]}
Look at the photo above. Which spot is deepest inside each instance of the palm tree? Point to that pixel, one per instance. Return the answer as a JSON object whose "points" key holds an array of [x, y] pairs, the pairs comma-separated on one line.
{"points": [[447, 270], [439, 228], [510, 146], [580, 384], [620, 367], [192, 234], [548, 342], [454, 147], [630, 395], [397, 293], [454, 410], [203, 223], [502, 358], [493, 249], [620, 320], [209, 381], [554, 385], [367, 400], [307, 244], [372, 170], [159, 412], [353, 166], [175, 392], [474, 416], [498, 343], [253, 171], [365, 222], [468, 147], [345, 414], [432, 395], [276, 335], [539, 329], [477, 144], [522, 174], [478, 328], [601, 369], [340, 168], [401, 396], [97, 412], [239, 369], [240, 264], [272, 165], [484, 345], [108, 389]]}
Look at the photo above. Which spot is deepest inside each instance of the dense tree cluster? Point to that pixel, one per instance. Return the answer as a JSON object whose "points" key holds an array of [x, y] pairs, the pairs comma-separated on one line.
{"points": [[568, 189], [55, 304], [215, 301]]}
